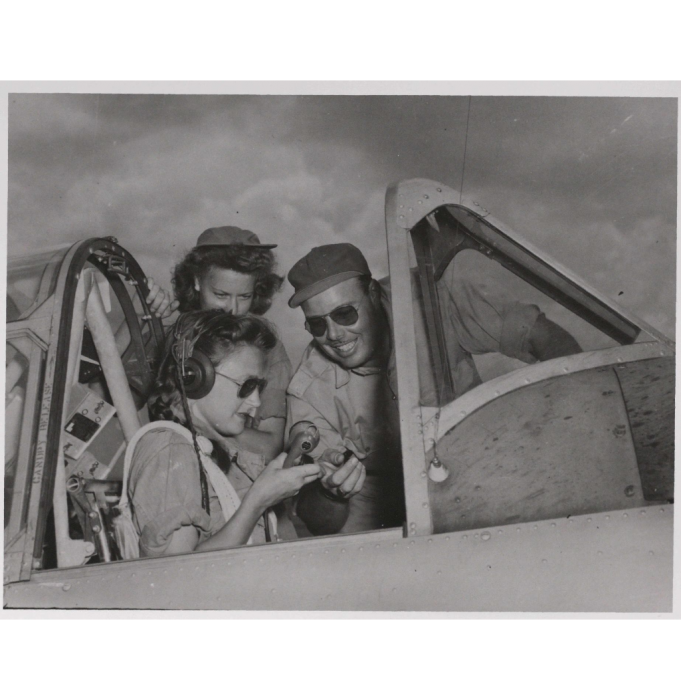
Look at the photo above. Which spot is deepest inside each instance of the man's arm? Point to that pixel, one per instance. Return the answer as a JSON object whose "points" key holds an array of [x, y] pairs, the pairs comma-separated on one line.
{"points": [[548, 340]]}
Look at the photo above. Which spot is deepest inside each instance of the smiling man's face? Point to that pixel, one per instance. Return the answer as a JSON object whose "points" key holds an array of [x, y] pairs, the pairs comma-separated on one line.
{"points": [[361, 344]]}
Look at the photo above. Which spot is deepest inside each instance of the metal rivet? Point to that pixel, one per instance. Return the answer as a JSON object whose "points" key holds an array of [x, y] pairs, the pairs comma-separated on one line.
{"points": [[588, 520], [439, 572], [457, 500], [625, 515], [361, 549], [629, 490], [465, 537], [424, 505], [420, 201], [651, 553], [553, 524], [642, 512], [430, 541], [439, 189], [66, 587], [600, 553], [544, 561], [425, 196], [447, 538], [485, 536], [607, 517]]}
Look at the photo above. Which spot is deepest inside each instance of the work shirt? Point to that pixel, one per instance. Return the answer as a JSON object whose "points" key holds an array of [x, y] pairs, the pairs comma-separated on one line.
{"points": [[356, 409], [165, 490], [278, 375]]}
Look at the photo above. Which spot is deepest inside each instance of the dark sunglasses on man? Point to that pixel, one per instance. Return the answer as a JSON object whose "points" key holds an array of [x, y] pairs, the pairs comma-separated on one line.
{"points": [[346, 315]]}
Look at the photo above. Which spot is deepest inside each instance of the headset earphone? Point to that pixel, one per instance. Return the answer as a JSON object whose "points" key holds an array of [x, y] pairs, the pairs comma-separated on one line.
{"points": [[196, 369]]}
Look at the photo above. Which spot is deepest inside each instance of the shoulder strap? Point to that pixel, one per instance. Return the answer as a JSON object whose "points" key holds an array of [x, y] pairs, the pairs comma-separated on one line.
{"points": [[227, 495]]}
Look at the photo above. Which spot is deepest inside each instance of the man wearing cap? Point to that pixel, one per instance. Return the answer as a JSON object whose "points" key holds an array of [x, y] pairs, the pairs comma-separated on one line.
{"points": [[346, 381]]}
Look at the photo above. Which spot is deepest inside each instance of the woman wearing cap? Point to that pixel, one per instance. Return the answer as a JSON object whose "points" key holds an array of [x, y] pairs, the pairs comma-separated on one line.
{"points": [[186, 493], [230, 269]]}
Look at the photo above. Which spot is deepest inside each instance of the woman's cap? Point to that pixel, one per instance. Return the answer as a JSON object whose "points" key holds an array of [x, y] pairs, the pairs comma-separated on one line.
{"points": [[324, 267], [230, 235]]}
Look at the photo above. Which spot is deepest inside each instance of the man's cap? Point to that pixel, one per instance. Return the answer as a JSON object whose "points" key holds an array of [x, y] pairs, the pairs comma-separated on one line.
{"points": [[324, 267], [230, 235]]}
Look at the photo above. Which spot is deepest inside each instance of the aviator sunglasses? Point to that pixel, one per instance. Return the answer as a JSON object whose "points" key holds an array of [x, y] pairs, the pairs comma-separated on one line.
{"points": [[344, 316], [248, 387]]}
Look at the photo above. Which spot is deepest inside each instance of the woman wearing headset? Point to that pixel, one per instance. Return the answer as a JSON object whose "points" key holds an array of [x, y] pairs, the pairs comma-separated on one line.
{"points": [[230, 269], [210, 382]]}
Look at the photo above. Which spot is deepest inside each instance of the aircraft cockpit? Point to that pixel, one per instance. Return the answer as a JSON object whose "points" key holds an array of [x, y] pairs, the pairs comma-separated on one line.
{"points": [[81, 350], [555, 469]]}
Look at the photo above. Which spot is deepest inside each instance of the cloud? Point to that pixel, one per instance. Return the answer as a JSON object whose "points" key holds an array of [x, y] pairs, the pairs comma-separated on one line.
{"points": [[592, 181]]}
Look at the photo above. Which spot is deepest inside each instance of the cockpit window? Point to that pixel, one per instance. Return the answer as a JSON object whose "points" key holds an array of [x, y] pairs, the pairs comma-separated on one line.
{"points": [[485, 307], [31, 280]]}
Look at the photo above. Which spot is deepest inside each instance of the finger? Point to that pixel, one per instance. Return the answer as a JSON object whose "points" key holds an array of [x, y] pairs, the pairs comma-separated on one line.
{"points": [[310, 478], [161, 300], [334, 457], [152, 288], [360, 483], [305, 470], [277, 462], [349, 484], [344, 472]]}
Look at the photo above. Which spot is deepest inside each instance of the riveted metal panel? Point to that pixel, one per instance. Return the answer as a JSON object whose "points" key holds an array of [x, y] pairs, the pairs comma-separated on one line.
{"points": [[607, 562], [552, 449]]}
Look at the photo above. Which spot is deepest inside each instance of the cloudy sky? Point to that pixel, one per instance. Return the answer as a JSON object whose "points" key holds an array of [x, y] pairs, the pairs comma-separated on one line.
{"points": [[592, 181]]}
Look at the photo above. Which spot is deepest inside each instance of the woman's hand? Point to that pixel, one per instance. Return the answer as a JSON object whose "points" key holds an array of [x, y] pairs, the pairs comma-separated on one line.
{"points": [[159, 300], [275, 484]]}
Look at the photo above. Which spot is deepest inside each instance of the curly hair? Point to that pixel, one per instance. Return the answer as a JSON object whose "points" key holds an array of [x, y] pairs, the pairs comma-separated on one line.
{"points": [[248, 260], [217, 335]]}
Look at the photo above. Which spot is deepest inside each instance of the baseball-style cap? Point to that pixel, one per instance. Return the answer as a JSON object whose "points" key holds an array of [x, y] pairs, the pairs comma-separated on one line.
{"points": [[230, 235], [324, 267]]}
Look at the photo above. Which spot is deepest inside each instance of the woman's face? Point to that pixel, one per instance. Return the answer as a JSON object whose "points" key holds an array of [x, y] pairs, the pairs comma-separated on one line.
{"points": [[224, 289], [222, 412]]}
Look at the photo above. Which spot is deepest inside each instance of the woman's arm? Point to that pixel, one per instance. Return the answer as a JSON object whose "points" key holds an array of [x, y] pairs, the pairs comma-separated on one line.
{"points": [[272, 486]]}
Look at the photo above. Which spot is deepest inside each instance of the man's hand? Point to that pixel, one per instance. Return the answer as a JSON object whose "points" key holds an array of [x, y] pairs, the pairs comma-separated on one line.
{"points": [[160, 301], [342, 480]]}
